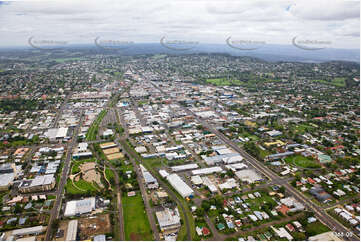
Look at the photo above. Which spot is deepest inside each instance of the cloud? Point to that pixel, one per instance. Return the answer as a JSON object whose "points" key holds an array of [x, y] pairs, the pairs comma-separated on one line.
{"points": [[326, 10], [212, 21]]}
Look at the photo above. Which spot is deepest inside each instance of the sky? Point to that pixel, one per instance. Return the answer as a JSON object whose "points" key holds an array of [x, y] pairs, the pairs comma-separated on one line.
{"points": [[211, 21]]}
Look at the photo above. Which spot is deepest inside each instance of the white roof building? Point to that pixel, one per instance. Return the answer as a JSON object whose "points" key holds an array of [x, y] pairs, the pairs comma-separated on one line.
{"points": [[184, 167], [108, 132], [6, 180], [140, 149], [82, 147], [163, 173], [196, 180], [233, 159], [224, 151], [236, 166], [56, 133], [282, 233], [229, 184], [180, 186], [42, 180], [168, 218], [72, 230], [28, 231], [248, 175], [210, 184], [205, 171], [79, 206], [61, 133]]}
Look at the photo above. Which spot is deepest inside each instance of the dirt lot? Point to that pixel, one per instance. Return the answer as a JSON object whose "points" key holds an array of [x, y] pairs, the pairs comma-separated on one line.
{"points": [[90, 173], [89, 227], [63, 225]]}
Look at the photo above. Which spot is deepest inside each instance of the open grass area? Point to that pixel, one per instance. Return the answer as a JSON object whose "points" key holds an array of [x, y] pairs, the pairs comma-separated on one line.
{"points": [[155, 162], [93, 130], [219, 82], [136, 224], [264, 153], [302, 161], [315, 228], [118, 74], [250, 136], [110, 175], [338, 82], [62, 60], [70, 189], [258, 202], [84, 185], [2, 194], [229, 82], [150, 164], [223, 82], [302, 128]]}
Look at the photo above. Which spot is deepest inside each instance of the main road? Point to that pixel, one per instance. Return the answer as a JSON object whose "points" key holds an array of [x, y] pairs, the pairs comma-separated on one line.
{"points": [[60, 189]]}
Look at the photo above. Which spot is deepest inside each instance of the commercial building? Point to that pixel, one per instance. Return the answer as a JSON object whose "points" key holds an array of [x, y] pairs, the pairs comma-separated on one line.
{"points": [[39, 183], [7, 176], [29, 231], [82, 151], [56, 134]]}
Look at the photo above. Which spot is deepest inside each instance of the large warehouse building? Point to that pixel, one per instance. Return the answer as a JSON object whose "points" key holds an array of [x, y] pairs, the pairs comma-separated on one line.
{"points": [[79, 207], [180, 186]]}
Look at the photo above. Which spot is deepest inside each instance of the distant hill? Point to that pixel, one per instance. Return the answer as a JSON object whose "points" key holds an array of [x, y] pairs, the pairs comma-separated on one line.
{"points": [[269, 52]]}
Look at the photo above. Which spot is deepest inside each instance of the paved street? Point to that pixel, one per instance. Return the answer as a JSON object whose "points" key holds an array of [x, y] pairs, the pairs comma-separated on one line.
{"points": [[60, 189]]}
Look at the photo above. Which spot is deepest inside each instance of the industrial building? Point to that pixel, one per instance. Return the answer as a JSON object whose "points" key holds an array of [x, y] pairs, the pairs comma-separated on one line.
{"points": [[78, 207], [149, 180], [206, 171], [72, 230], [168, 219], [56, 134], [248, 175], [180, 186], [184, 167], [29, 231]]}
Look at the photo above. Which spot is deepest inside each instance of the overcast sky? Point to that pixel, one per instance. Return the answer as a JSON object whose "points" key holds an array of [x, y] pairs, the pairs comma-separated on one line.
{"points": [[212, 21]]}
